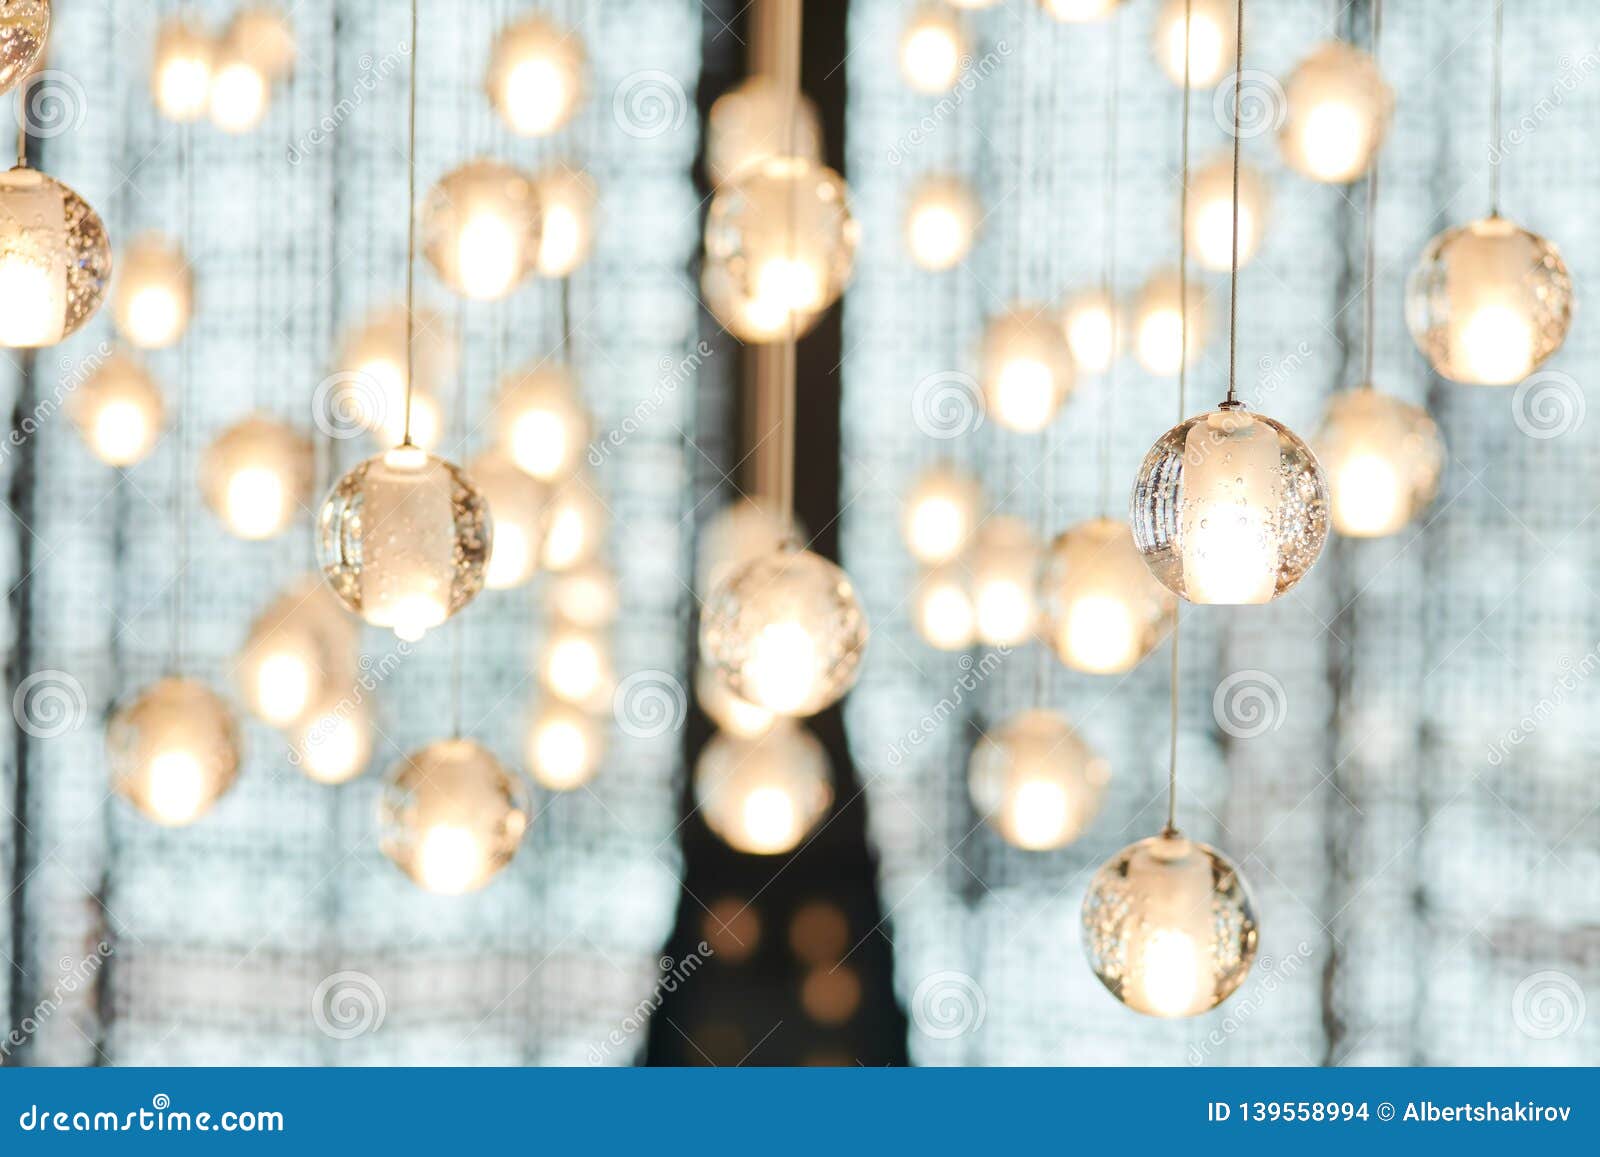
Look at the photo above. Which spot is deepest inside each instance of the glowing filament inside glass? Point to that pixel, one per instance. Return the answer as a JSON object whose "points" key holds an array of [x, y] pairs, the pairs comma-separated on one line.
{"points": [[780, 671], [451, 860]]}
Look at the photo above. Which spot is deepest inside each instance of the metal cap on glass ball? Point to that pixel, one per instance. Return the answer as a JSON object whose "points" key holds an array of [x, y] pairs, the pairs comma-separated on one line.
{"points": [[451, 816]]}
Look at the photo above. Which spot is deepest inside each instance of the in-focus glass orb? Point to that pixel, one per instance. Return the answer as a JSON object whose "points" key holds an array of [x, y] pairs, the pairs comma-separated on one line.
{"points": [[1339, 109], [764, 795], [535, 77], [1036, 781], [566, 200], [1104, 611], [451, 816], [1027, 368], [785, 632], [1005, 581], [150, 301], [576, 668], [1211, 214], [299, 651], [1090, 324], [932, 49], [780, 247], [334, 743], [565, 747], [542, 424], [736, 716], [174, 751], [369, 376], [1081, 11], [1211, 41], [24, 29], [1168, 926], [257, 476], [941, 514], [1488, 302], [943, 611], [517, 504], [240, 92], [941, 218], [1230, 508], [1382, 457], [404, 540], [1160, 337], [180, 79], [119, 411], [746, 126], [746, 529], [481, 229], [586, 596], [575, 525], [55, 260], [264, 36]]}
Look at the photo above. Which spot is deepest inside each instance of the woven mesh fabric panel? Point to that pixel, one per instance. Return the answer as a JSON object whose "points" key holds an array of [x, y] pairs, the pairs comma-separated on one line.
{"points": [[221, 933], [1411, 888]]}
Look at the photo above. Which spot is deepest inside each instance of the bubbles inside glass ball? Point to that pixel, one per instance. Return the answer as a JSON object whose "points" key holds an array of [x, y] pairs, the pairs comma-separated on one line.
{"points": [[1338, 114], [1027, 368], [256, 476], [24, 29], [1168, 926], [452, 816], [1382, 457], [1036, 781], [55, 260], [746, 126], [118, 411], [481, 229], [1104, 610], [535, 77], [174, 751], [763, 795]]}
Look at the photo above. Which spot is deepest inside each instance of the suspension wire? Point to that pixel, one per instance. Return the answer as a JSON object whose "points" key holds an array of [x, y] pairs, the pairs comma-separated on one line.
{"points": [[411, 230], [1494, 106], [1108, 276], [1233, 270], [180, 491], [787, 29], [22, 120], [1370, 260]]}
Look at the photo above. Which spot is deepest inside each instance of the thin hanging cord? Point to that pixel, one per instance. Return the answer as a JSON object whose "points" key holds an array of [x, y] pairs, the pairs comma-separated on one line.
{"points": [[791, 31], [1494, 107], [1370, 262], [180, 490], [1108, 277], [1233, 269], [22, 121], [411, 230]]}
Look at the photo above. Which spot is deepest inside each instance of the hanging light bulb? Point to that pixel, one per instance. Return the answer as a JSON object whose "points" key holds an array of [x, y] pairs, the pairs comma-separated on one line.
{"points": [[565, 747], [118, 411], [738, 533], [1383, 458], [24, 29], [543, 426], [780, 247], [763, 795], [1168, 926], [585, 596], [239, 92], [1210, 38], [150, 301], [1211, 214], [575, 525], [1090, 324], [481, 229], [1027, 368], [785, 632], [370, 372], [1339, 110], [941, 514], [566, 199], [55, 260], [264, 36], [257, 476], [1005, 579], [299, 650], [1104, 610], [746, 125], [932, 49], [576, 668], [535, 78], [517, 503], [1488, 302], [1036, 781], [943, 610], [941, 219], [452, 816], [334, 744], [1158, 328], [738, 717], [404, 540], [181, 77], [174, 751], [1081, 11]]}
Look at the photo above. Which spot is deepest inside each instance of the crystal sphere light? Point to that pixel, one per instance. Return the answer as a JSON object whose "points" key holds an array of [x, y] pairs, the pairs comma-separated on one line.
{"points": [[1211, 41], [1383, 458], [451, 816], [300, 650], [1005, 581], [119, 411], [1168, 926], [746, 125], [370, 376], [566, 200], [404, 540], [257, 476], [264, 36], [932, 50], [152, 295], [180, 80], [764, 795], [565, 746], [481, 229], [1211, 214], [574, 525], [941, 218], [576, 668], [1091, 327], [740, 532], [785, 632], [943, 611], [1027, 368], [174, 751], [1230, 508], [1036, 781], [535, 77], [736, 716], [585, 596], [1161, 340], [941, 515], [55, 260], [334, 743], [542, 424], [24, 29], [1339, 110], [1104, 610], [240, 92], [1488, 302], [517, 503]]}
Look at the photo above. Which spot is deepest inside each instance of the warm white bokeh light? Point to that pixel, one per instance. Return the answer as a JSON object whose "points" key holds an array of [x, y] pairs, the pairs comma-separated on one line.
{"points": [[239, 95], [1090, 324], [152, 292], [1339, 107], [932, 50], [575, 525], [1160, 334], [941, 514], [764, 795], [118, 411], [567, 199], [481, 229], [541, 421], [942, 610], [1027, 368], [1383, 458], [1036, 781], [1210, 39], [174, 750], [181, 76], [535, 76], [256, 476], [452, 816], [1103, 608], [1005, 578], [1211, 214], [565, 746], [941, 218]]}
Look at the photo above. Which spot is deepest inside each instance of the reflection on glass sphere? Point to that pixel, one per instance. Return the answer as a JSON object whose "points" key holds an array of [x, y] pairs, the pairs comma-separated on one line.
{"points": [[780, 246], [741, 531], [576, 668], [535, 77], [566, 200], [565, 747], [174, 751], [941, 514], [517, 505], [932, 49], [1168, 926], [1211, 214], [1211, 40], [1005, 580], [1230, 508], [1027, 368], [239, 93], [451, 816], [264, 36], [736, 716], [1036, 781], [300, 649], [1081, 11], [943, 611], [334, 744], [55, 260], [1339, 109], [180, 80], [404, 540], [575, 525], [151, 299], [1383, 458], [543, 426], [1488, 302], [940, 221], [1160, 336], [370, 373], [481, 229], [118, 411], [257, 476], [785, 632], [24, 28], [746, 126], [586, 596], [764, 795], [1090, 323], [1103, 608]]}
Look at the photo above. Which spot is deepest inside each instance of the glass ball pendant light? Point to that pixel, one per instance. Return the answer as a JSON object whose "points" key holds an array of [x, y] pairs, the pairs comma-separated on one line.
{"points": [[941, 218], [1339, 107], [585, 596], [933, 48], [299, 651], [1383, 458], [1162, 342], [1104, 611], [1036, 781], [1168, 926], [764, 795], [1211, 217], [943, 611], [370, 372], [240, 91], [257, 476], [174, 751], [517, 504], [941, 515], [746, 125], [24, 29], [264, 36], [566, 199], [565, 746], [55, 260], [180, 79], [740, 532], [118, 411], [1027, 368], [736, 716], [1089, 321], [576, 668], [151, 299], [452, 816], [334, 743], [1211, 40], [542, 423], [1005, 581], [481, 229], [535, 77], [574, 526]]}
